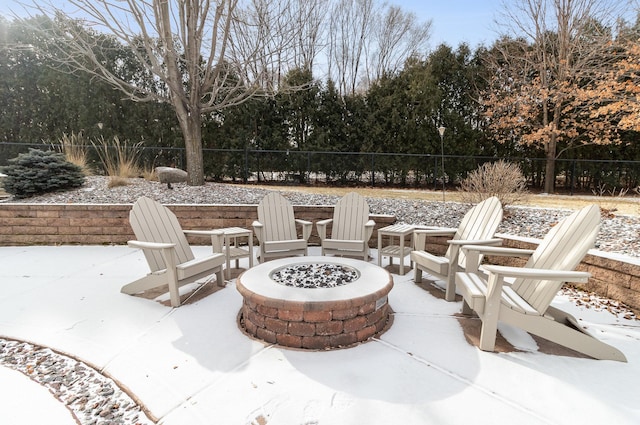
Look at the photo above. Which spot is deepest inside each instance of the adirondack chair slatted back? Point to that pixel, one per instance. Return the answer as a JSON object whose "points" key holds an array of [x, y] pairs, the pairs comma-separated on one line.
{"points": [[276, 214], [480, 222], [350, 215], [153, 222], [563, 248]]}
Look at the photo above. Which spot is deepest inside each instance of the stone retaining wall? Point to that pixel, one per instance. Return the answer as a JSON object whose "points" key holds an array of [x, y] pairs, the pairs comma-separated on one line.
{"points": [[98, 224]]}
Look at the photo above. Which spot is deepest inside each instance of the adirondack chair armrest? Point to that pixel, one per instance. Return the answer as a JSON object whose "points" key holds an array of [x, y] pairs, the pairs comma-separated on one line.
{"points": [[150, 245], [217, 237], [322, 227], [531, 273], [439, 231], [496, 281], [482, 242], [204, 232], [167, 250], [472, 262], [420, 236], [368, 229], [306, 228], [474, 252], [258, 228], [498, 250]]}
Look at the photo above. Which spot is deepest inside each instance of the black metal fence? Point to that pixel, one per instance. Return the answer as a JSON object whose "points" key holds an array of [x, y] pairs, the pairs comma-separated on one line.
{"points": [[370, 168]]}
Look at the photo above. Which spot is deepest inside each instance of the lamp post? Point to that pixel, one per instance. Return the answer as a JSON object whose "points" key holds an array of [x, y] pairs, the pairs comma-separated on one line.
{"points": [[441, 130]]}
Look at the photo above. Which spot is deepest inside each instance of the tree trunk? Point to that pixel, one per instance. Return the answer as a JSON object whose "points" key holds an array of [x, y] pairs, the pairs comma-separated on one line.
{"points": [[191, 127], [550, 165]]}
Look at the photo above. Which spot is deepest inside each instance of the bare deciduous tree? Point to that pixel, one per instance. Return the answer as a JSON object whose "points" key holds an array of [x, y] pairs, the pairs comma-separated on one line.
{"points": [[367, 39], [310, 18], [349, 29], [396, 36], [209, 54]]}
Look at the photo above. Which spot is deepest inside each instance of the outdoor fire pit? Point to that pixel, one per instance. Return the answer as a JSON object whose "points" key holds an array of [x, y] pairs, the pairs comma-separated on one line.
{"points": [[315, 302]]}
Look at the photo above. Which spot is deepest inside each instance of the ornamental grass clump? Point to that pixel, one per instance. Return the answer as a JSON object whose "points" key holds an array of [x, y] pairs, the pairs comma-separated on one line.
{"points": [[119, 160], [501, 179], [75, 150], [38, 172]]}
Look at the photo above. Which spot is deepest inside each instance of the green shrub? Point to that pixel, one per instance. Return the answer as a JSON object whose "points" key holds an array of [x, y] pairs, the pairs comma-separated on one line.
{"points": [[38, 172]]}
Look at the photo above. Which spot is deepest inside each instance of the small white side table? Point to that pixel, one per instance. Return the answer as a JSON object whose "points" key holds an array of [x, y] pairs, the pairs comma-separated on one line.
{"points": [[232, 250], [399, 251]]}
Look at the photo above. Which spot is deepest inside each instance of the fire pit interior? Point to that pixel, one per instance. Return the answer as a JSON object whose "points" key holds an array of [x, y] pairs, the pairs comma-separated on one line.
{"points": [[315, 302], [315, 275]]}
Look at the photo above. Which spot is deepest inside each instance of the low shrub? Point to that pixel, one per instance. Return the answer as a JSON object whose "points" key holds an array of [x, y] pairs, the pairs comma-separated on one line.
{"points": [[501, 179], [37, 172]]}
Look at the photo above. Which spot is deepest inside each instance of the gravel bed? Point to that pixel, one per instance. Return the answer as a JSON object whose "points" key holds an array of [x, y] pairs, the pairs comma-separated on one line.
{"points": [[92, 398], [619, 233]]}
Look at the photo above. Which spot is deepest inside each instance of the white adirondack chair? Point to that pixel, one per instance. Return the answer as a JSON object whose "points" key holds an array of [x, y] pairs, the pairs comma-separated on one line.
{"points": [[351, 228], [276, 229], [477, 227], [164, 243], [523, 299]]}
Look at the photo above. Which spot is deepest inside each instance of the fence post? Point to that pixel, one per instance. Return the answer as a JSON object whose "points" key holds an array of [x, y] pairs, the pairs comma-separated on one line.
{"points": [[246, 164], [573, 175], [373, 170]]}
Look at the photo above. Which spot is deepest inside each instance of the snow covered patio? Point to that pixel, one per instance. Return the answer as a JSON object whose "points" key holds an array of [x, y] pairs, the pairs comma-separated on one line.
{"points": [[193, 365]]}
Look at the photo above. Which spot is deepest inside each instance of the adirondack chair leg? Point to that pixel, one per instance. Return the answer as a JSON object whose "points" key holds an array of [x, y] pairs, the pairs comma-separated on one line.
{"points": [[174, 294], [220, 278], [466, 309], [172, 277], [417, 275], [488, 333], [489, 329], [450, 294]]}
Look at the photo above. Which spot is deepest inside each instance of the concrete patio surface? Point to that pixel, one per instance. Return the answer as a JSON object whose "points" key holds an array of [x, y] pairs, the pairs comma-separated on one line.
{"points": [[193, 365]]}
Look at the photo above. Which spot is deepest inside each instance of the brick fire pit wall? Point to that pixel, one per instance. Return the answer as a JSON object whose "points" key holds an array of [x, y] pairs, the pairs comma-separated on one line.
{"points": [[314, 318]]}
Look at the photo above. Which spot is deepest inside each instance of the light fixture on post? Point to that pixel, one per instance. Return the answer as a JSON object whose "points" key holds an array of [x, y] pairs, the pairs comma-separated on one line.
{"points": [[441, 130]]}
